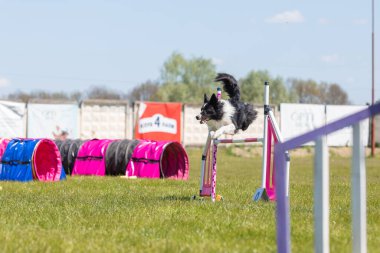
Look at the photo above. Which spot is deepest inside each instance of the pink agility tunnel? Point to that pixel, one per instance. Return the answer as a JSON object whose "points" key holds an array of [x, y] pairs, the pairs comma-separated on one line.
{"points": [[3, 145], [91, 159], [158, 159], [46, 161]]}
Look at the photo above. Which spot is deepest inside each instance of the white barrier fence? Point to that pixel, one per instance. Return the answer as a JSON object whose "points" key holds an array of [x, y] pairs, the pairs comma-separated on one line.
{"points": [[301, 118], [105, 119], [115, 119], [49, 120], [12, 119]]}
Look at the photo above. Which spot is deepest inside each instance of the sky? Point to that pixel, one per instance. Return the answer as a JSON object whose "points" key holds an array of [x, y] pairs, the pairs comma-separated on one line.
{"points": [[71, 45]]}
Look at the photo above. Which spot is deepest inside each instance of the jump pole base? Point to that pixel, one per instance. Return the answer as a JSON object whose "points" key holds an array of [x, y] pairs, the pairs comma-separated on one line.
{"points": [[202, 198], [196, 197], [260, 194]]}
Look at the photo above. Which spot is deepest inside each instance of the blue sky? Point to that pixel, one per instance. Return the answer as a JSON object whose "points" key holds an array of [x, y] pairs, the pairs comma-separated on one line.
{"points": [[67, 45]]}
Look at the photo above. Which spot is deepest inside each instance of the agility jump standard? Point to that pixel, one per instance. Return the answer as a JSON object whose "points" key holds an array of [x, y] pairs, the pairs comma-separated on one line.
{"points": [[271, 132]]}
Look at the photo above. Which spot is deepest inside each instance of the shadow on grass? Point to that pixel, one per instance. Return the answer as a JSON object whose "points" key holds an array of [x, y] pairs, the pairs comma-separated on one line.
{"points": [[176, 198]]}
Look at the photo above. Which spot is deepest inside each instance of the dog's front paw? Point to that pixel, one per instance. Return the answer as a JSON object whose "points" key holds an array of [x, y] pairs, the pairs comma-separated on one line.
{"points": [[216, 134]]}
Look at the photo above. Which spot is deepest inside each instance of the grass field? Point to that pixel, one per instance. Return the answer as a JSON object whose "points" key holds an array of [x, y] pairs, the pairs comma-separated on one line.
{"points": [[112, 214]]}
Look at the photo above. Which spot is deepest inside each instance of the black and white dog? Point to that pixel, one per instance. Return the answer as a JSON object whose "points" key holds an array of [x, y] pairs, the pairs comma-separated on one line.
{"points": [[226, 116]]}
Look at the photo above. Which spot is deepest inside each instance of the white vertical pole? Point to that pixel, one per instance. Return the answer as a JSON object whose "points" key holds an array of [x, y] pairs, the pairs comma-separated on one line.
{"points": [[359, 205], [275, 126], [287, 172], [321, 196], [265, 150], [265, 137]]}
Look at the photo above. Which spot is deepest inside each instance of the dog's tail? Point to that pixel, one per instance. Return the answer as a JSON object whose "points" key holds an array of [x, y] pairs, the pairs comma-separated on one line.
{"points": [[230, 85]]}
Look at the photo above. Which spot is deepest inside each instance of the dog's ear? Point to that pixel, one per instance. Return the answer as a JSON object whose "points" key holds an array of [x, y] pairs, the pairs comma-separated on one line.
{"points": [[213, 99], [205, 98]]}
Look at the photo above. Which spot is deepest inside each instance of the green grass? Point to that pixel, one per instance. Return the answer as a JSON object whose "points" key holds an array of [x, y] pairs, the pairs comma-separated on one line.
{"points": [[112, 214]]}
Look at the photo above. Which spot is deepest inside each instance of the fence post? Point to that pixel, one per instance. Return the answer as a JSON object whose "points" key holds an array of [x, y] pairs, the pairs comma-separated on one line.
{"points": [[359, 205], [321, 196]]}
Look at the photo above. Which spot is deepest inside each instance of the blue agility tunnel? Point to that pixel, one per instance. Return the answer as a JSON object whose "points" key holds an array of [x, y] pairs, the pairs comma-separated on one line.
{"points": [[28, 159]]}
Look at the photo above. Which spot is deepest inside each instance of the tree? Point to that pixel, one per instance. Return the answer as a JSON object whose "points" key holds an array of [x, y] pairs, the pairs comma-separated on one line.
{"points": [[309, 91], [25, 97], [252, 88], [145, 92], [49, 95], [333, 94], [186, 80], [76, 96], [19, 96], [198, 71], [102, 92], [95, 92]]}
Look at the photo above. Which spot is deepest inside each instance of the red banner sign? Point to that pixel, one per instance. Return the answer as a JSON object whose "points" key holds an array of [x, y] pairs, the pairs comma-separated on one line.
{"points": [[159, 121]]}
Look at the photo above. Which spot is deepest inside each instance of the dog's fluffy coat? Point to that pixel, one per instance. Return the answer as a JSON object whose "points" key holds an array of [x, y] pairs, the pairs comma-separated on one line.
{"points": [[226, 116]]}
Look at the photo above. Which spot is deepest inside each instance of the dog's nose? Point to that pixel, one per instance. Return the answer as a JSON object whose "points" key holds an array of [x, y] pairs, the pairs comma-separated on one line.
{"points": [[198, 117]]}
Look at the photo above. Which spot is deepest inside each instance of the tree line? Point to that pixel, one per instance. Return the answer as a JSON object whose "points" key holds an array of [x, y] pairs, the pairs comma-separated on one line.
{"points": [[186, 80]]}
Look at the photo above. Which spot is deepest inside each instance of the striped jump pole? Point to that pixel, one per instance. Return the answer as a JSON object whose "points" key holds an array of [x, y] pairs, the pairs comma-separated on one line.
{"points": [[205, 178], [214, 159], [213, 172], [209, 165], [246, 140]]}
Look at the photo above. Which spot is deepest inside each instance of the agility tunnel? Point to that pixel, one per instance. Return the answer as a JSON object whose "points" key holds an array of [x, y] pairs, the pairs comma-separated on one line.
{"points": [[132, 158], [118, 154], [69, 150], [3, 145], [91, 159], [31, 159], [159, 159]]}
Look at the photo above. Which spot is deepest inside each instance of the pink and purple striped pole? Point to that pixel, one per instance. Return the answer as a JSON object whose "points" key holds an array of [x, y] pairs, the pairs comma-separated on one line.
{"points": [[213, 177]]}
